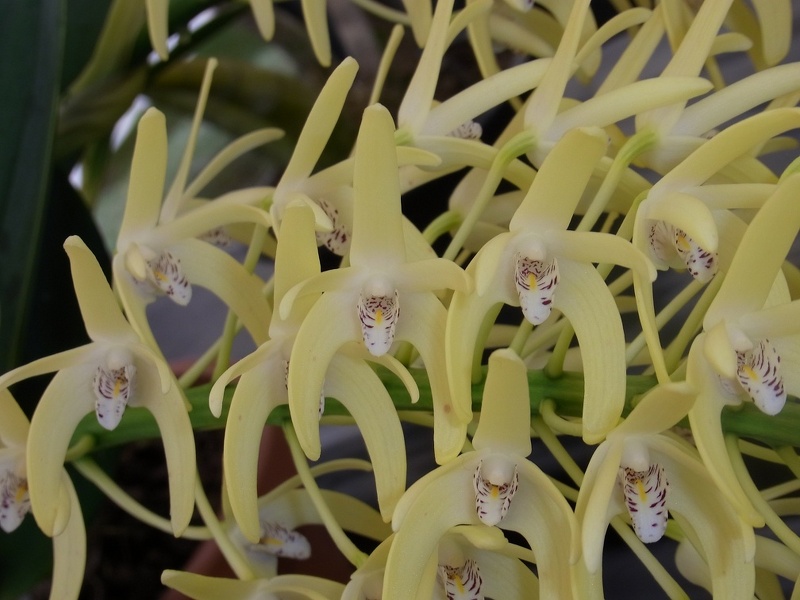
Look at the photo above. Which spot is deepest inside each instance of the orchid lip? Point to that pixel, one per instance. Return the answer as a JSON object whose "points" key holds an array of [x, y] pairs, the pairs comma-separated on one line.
{"points": [[495, 483]]}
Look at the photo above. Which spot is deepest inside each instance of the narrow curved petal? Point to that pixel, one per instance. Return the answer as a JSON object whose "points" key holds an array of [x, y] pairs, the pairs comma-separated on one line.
{"points": [[258, 392], [323, 332], [327, 281], [601, 248], [632, 99], [775, 19], [356, 386], [561, 180], [760, 254], [425, 330], [493, 269], [316, 18], [590, 308], [69, 549], [264, 14], [504, 424], [210, 215], [541, 514], [594, 499], [50, 364], [432, 274], [727, 544], [211, 268], [169, 411], [256, 360], [704, 418], [296, 258], [418, 99], [148, 172], [203, 587], [101, 313], [506, 577], [320, 123], [659, 409], [67, 399], [377, 216]]}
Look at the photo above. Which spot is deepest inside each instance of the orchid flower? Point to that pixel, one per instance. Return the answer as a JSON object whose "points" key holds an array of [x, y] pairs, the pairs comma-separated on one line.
{"points": [[263, 386], [158, 252], [282, 513], [471, 562], [115, 370], [69, 537], [494, 485], [540, 266], [750, 345], [362, 302], [647, 476]]}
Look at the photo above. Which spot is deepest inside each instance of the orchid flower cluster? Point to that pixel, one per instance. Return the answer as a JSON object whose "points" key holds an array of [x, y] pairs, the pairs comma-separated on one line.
{"points": [[542, 315]]}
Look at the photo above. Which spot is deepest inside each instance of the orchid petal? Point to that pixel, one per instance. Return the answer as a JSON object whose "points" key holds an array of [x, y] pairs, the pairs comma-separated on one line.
{"points": [[264, 13], [597, 488], [627, 101], [431, 274], [588, 305], [169, 411], [361, 392], [207, 217], [658, 410], [704, 418], [101, 313], [69, 548], [49, 364], [157, 27], [209, 267], [688, 214], [297, 258], [323, 332], [493, 270], [427, 334], [775, 19], [561, 180], [593, 247], [63, 404], [254, 360], [328, 281], [203, 587], [259, 391], [760, 254], [541, 514], [504, 424], [729, 554], [316, 18], [377, 216], [320, 123], [148, 172], [419, 95]]}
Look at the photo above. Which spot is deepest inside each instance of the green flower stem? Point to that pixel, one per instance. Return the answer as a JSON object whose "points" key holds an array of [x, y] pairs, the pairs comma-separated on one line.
{"points": [[513, 148], [636, 145], [559, 424], [440, 225], [693, 323], [343, 543], [566, 392], [773, 521], [91, 471], [231, 553], [556, 448]]}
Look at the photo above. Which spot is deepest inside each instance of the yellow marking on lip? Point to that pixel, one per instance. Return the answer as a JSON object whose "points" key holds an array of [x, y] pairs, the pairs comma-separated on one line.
{"points": [[748, 370], [378, 316], [22, 489], [641, 490]]}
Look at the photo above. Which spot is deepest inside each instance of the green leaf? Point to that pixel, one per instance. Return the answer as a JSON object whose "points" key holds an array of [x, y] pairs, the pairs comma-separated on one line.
{"points": [[32, 43]]}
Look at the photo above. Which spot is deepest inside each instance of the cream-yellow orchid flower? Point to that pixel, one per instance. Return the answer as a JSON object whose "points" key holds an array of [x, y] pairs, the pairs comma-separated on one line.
{"points": [[751, 344], [114, 371], [362, 303], [471, 562], [282, 513], [541, 266], [158, 250], [69, 541], [493, 485], [647, 476], [263, 386]]}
